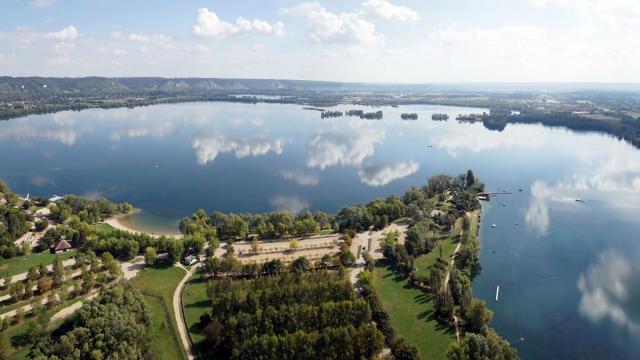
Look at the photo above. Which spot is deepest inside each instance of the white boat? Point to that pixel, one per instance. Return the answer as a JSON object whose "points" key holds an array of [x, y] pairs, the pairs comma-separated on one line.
{"points": [[497, 292], [493, 225]]}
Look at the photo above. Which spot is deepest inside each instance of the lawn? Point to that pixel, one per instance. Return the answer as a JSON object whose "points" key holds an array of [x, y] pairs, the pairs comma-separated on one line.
{"points": [[411, 314], [423, 263], [195, 303], [22, 264], [157, 285]]}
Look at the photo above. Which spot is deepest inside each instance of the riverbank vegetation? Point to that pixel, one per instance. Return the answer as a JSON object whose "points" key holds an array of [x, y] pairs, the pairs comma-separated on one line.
{"points": [[437, 291]]}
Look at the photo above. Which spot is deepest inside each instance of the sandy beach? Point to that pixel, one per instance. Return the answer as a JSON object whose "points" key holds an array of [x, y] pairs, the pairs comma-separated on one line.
{"points": [[116, 223]]}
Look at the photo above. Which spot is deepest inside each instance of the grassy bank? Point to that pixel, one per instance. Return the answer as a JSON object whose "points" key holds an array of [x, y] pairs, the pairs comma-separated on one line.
{"points": [[411, 313], [157, 285]]}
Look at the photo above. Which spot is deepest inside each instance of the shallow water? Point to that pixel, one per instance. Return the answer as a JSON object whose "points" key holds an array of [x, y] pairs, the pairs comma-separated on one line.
{"points": [[568, 273]]}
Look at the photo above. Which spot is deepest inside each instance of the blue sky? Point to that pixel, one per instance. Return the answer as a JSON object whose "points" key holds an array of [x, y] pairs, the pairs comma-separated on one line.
{"points": [[366, 40]]}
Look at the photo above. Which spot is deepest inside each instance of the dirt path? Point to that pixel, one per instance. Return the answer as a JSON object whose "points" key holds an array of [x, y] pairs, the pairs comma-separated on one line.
{"points": [[69, 310], [361, 241], [177, 309], [23, 276]]}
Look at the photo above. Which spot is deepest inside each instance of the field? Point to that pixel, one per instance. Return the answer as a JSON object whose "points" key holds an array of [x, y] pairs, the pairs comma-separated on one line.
{"points": [[424, 262], [22, 264], [411, 314], [157, 285], [195, 303]]}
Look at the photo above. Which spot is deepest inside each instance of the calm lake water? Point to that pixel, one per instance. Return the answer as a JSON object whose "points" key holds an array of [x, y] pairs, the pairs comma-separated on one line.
{"points": [[569, 272]]}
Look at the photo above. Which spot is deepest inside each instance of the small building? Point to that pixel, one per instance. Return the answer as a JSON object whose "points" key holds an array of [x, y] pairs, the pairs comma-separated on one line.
{"points": [[61, 246], [189, 260]]}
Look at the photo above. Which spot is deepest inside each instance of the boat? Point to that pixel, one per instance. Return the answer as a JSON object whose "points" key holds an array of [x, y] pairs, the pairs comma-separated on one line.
{"points": [[497, 292], [580, 200], [493, 225]]}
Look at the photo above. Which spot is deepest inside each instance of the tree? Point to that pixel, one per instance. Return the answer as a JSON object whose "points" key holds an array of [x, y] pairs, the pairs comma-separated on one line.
{"points": [[16, 292], [115, 324], [43, 270], [44, 284], [234, 227], [347, 258], [255, 245], [300, 265], [88, 282], [175, 249], [58, 272], [273, 267], [41, 225], [212, 266], [230, 264], [150, 256], [471, 180], [33, 274], [404, 350], [111, 265], [478, 316], [26, 248], [294, 245]]}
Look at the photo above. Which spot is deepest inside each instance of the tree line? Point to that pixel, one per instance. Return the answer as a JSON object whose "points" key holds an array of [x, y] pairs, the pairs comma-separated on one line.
{"points": [[313, 315]]}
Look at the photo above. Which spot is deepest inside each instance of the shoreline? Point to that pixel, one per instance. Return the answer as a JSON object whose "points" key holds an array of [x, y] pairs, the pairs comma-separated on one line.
{"points": [[116, 223]]}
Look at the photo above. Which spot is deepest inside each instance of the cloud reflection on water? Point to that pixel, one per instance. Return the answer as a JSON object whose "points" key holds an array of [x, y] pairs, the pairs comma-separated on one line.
{"points": [[329, 149], [380, 175], [208, 147], [610, 289]]}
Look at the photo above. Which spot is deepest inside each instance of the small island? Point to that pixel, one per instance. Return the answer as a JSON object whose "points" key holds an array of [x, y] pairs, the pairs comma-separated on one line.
{"points": [[439, 117]]}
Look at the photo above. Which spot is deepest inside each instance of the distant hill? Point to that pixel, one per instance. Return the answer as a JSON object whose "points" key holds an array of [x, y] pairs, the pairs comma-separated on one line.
{"points": [[43, 87], [51, 87]]}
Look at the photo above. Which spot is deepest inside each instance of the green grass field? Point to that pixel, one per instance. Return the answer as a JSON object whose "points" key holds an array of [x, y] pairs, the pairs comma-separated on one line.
{"points": [[423, 263], [411, 314], [22, 264], [195, 303], [157, 285]]}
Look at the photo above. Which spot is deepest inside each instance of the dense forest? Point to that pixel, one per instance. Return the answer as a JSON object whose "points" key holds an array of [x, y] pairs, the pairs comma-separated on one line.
{"points": [[627, 128], [114, 325], [290, 316]]}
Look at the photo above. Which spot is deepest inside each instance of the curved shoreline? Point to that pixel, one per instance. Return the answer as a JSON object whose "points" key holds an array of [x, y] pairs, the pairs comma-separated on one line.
{"points": [[115, 223]]}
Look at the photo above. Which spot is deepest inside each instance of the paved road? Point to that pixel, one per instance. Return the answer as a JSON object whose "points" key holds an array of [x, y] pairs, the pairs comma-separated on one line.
{"points": [[177, 309]]}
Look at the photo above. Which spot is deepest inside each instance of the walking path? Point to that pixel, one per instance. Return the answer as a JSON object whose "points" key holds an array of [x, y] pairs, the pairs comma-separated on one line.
{"points": [[23, 276], [361, 241], [177, 309]]}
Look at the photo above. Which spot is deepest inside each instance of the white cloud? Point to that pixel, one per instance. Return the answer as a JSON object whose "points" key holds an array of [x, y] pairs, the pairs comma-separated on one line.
{"points": [[42, 3], [328, 149], [289, 203], [380, 175], [208, 147], [389, 11], [208, 24], [609, 289], [300, 178], [325, 26], [68, 33]]}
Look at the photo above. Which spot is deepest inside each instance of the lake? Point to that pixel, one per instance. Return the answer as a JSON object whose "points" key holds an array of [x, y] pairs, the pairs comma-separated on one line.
{"points": [[568, 270]]}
